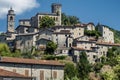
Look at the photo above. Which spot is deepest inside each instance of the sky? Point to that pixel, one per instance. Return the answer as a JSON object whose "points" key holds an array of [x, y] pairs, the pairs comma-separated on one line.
{"points": [[106, 12]]}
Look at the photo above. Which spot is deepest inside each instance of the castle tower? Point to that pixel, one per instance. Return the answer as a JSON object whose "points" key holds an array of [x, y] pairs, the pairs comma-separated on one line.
{"points": [[56, 8], [10, 20]]}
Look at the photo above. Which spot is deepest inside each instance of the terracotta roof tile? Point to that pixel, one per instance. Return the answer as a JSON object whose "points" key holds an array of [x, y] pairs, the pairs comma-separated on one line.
{"points": [[30, 61], [5, 73], [63, 32], [107, 44], [82, 49]]}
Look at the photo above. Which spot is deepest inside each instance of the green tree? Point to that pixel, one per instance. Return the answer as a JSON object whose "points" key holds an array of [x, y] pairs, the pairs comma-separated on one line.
{"points": [[70, 71], [73, 20], [83, 66], [69, 20], [51, 47], [92, 33], [112, 55], [47, 22], [4, 47], [117, 71], [4, 50]]}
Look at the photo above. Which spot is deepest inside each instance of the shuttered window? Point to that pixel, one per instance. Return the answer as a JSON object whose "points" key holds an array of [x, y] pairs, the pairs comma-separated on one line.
{"points": [[41, 75], [26, 72], [54, 74]]}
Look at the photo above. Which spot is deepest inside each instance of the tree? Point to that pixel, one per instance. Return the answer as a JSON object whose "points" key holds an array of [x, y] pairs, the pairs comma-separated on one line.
{"points": [[73, 20], [70, 71], [47, 22], [4, 47], [83, 66], [69, 20], [107, 73], [117, 71], [92, 33], [112, 55], [4, 50], [51, 47]]}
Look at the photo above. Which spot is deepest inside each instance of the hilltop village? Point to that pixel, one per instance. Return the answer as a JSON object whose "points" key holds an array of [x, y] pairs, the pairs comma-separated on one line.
{"points": [[70, 40]]}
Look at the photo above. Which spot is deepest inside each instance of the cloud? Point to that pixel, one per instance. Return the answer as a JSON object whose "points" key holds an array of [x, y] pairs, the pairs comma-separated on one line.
{"points": [[20, 6]]}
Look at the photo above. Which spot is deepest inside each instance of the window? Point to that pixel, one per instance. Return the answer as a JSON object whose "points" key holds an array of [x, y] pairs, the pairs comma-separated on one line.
{"points": [[70, 45], [11, 18], [94, 56], [54, 74], [23, 22], [41, 75], [26, 73]]}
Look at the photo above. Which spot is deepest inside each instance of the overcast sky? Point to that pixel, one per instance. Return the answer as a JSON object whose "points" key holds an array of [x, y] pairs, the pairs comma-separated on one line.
{"points": [[106, 12]]}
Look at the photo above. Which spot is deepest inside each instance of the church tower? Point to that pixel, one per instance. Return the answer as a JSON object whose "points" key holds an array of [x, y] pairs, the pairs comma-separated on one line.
{"points": [[10, 20], [56, 8]]}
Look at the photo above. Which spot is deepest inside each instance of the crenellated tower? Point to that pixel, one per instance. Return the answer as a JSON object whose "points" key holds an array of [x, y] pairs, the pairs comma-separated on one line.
{"points": [[56, 8]]}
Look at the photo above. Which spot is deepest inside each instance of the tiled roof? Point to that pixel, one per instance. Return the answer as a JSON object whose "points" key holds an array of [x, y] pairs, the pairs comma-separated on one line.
{"points": [[91, 23], [30, 61], [107, 44], [86, 41], [81, 49], [5, 73], [74, 26], [63, 32], [22, 26], [26, 34]]}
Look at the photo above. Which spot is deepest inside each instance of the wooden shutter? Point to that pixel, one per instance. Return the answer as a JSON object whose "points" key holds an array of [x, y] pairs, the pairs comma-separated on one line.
{"points": [[54, 74], [26, 72], [41, 75]]}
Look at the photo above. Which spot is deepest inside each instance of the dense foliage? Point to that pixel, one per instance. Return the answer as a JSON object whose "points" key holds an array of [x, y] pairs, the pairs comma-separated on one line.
{"points": [[47, 22], [84, 67], [51, 47], [92, 33], [113, 60], [69, 20], [70, 71]]}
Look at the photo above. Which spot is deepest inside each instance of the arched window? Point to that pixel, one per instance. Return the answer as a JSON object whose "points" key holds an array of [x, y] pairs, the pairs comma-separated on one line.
{"points": [[11, 18]]}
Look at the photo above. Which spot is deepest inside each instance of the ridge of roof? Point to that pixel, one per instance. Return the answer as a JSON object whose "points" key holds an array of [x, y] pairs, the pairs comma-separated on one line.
{"points": [[30, 61]]}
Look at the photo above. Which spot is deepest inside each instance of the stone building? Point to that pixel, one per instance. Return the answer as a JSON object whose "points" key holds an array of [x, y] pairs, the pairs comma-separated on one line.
{"points": [[35, 20], [90, 26], [28, 34], [25, 42], [30, 68], [10, 75], [107, 34], [92, 47]]}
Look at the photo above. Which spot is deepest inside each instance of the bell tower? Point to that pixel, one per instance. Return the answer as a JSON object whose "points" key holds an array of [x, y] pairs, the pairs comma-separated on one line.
{"points": [[56, 8], [10, 20]]}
